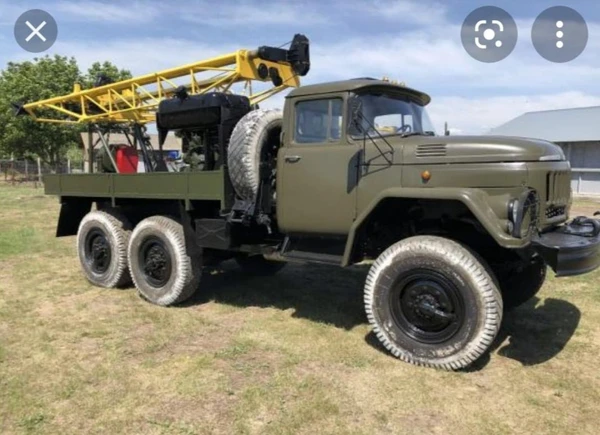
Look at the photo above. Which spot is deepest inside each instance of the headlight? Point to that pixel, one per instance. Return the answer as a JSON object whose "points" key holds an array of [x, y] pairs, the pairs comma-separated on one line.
{"points": [[522, 214], [552, 158]]}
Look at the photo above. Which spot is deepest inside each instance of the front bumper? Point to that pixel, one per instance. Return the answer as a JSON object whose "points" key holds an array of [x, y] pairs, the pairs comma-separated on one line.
{"points": [[571, 249]]}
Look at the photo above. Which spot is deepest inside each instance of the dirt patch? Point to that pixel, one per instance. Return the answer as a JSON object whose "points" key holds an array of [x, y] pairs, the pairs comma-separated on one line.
{"points": [[585, 207]]}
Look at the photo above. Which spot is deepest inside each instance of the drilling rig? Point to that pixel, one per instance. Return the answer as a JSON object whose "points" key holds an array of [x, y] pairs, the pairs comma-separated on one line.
{"points": [[186, 98]]}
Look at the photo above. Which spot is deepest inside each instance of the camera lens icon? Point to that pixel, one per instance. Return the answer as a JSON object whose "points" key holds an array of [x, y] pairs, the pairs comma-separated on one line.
{"points": [[489, 34]]}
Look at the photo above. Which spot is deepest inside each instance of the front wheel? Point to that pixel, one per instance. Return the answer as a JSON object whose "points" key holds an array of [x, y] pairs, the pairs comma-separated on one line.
{"points": [[432, 303]]}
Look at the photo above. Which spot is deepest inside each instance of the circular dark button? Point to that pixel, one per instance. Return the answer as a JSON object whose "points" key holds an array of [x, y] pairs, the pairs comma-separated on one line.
{"points": [[559, 34], [489, 34], [36, 30]]}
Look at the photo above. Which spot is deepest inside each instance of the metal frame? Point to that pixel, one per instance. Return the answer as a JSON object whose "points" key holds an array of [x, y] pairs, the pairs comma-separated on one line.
{"points": [[136, 99]]}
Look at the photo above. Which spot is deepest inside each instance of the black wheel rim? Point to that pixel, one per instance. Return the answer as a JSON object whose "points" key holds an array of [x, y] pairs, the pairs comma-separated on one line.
{"points": [[427, 306], [97, 250], [155, 261]]}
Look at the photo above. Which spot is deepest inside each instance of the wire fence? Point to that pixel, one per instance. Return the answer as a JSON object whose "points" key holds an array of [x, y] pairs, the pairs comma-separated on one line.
{"points": [[32, 171]]}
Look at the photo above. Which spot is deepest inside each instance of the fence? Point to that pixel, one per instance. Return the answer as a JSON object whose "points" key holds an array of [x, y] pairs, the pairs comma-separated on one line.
{"points": [[21, 171]]}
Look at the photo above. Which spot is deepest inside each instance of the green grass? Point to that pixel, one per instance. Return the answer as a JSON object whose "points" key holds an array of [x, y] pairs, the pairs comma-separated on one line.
{"points": [[285, 355]]}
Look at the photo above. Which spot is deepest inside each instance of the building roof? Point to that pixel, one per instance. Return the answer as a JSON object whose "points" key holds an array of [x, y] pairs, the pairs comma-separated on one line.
{"points": [[354, 85], [580, 124]]}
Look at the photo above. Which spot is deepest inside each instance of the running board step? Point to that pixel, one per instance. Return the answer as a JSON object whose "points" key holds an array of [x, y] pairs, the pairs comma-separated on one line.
{"points": [[313, 257]]}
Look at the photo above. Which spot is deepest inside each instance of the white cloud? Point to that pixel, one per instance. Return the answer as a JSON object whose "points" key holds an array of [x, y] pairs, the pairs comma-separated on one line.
{"points": [[9, 12], [408, 12], [140, 55], [99, 11], [479, 115], [252, 16]]}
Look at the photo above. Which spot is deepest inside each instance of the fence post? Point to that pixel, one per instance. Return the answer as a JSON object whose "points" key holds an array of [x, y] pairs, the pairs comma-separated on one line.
{"points": [[26, 170], [39, 165], [68, 166]]}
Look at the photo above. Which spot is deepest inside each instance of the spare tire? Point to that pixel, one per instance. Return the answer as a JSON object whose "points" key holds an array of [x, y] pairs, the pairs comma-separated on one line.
{"points": [[254, 140]]}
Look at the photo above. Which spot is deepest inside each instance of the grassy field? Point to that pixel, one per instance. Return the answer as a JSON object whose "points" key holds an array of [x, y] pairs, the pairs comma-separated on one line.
{"points": [[288, 354]]}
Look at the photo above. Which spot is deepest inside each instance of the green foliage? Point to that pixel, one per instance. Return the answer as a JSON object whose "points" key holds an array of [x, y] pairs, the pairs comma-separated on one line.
{"points": [[75, 154], [46, 77], [107, 69]]}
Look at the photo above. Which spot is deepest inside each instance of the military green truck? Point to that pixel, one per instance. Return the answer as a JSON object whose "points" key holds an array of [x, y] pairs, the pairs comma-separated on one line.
{"points": [[458, 228]]}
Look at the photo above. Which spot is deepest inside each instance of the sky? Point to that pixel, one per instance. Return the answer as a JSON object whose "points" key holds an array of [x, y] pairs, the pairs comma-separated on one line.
{"points": [[413, 41]]}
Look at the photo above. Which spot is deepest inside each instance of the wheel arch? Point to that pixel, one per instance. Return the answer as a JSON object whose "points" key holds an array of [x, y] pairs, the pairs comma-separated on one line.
{"points": [[475, 201]]}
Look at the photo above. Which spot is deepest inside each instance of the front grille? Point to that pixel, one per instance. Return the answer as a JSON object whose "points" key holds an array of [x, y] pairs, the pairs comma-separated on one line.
{"points": [[555, 211], [558, 187]]}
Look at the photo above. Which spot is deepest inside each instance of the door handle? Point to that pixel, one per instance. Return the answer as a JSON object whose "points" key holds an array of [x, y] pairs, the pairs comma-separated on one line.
{"points": [[292, 159]]}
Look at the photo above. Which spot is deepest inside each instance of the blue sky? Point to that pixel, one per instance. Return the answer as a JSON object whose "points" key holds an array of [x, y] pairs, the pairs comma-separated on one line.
{"points": [[415, 41]]}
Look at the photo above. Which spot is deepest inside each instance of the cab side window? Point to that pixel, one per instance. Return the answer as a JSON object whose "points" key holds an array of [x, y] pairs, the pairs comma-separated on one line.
{"points": [[318, 121]]}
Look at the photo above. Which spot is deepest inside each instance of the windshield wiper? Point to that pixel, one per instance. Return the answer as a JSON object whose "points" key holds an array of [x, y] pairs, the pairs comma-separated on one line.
{"points": [[418, 133]]}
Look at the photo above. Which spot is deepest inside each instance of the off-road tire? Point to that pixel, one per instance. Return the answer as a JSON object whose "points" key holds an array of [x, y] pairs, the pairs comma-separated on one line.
{"points": [[257, 265], [424, 265], [245, 152], [162, 270], [521, 283], [102, 240]]}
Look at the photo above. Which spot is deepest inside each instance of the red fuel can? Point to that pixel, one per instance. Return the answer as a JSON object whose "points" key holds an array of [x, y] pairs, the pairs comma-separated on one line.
{"points": [[126, 159]]}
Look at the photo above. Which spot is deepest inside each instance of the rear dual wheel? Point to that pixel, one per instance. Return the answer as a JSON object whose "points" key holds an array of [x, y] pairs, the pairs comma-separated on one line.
{"points": [[162, 270], [102, 240]]}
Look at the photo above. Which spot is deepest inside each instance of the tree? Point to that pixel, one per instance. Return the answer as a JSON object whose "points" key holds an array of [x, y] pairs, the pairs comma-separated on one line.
{"points": [[105, 69], [35, 80]]}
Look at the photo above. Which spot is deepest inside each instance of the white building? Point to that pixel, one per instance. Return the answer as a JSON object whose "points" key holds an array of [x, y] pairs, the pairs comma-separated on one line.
{"points": [[577, 131]]}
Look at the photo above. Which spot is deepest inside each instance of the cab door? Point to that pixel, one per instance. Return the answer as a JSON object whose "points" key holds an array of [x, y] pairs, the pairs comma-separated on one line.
{"points": [[316, 169]]}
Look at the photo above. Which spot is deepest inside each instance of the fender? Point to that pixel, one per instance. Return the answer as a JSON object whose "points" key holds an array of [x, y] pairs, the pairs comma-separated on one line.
{"points": [[72, 211], [474, 199]]}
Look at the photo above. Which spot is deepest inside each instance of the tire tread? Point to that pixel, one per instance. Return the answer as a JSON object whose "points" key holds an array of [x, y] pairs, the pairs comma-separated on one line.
{"points": [[483, 280]]}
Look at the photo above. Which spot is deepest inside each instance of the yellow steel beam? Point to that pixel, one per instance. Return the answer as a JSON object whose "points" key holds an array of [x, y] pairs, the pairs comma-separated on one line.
{"points": [[136, 99]]}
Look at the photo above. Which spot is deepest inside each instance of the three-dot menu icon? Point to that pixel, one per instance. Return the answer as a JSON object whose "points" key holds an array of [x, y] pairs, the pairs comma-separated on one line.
{"points": [[559, 34]]}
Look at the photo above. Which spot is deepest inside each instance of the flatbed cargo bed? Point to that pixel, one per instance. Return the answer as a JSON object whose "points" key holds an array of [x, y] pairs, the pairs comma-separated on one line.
{"points": [[201, 185]]}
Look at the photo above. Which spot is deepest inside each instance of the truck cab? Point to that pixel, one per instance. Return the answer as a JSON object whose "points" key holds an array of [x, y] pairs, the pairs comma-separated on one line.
{"points": [[360, 148]]}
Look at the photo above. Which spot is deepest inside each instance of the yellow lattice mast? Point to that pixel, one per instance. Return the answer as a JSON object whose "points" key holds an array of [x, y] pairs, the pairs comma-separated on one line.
{"points": [[136, 99]]}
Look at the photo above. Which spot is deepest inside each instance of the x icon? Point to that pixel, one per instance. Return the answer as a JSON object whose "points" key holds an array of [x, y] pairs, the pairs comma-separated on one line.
{"points": [[35, 31]]}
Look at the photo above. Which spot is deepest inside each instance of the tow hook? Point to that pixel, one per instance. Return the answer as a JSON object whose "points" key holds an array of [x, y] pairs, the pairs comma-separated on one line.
{"points": [[584, 226]]}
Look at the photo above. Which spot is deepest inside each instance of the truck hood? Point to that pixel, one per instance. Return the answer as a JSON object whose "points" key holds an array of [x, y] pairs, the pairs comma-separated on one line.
{"points": [[471, 149]]}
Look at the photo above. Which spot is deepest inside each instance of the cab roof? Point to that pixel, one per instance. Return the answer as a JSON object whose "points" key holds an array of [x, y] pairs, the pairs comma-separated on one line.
{"points": [[355, 85]]}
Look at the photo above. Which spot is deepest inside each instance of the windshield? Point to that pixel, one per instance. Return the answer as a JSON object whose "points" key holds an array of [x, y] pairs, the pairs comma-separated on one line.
{"points": [[390, 114]]}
